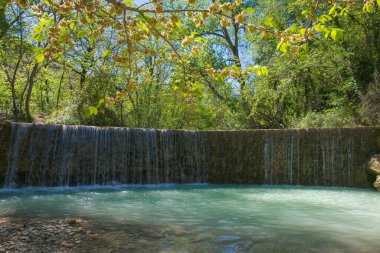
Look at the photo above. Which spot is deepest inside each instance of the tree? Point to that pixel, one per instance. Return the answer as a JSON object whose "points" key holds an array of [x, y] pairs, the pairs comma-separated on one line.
{"points": [[191, 64]]}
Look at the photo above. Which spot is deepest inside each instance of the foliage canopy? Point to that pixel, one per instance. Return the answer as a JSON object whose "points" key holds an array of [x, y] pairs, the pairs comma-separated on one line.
{"points": [[200, 64]]}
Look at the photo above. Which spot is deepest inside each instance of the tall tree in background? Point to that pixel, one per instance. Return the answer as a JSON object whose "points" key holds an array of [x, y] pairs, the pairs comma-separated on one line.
{"points": [[193, 64]]}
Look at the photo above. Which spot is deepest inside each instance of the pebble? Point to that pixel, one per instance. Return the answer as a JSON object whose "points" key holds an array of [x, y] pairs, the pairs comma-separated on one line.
{"points": [[43, 236], [69, 245], [60, 236]]}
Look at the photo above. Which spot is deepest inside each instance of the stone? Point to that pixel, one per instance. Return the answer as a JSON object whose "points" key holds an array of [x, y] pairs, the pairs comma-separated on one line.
{"points": [[374, 165], [69, 245], [376, 184], [72, 222], [2, 250]]}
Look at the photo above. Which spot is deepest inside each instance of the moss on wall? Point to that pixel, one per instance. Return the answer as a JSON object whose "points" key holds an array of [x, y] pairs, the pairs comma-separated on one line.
{"points": [[79, 155], [5, 137]]}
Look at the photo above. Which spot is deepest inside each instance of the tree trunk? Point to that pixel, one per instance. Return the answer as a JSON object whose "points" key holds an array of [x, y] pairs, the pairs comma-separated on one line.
{"points": [[60, 85], [12, 83], [31, 81]]}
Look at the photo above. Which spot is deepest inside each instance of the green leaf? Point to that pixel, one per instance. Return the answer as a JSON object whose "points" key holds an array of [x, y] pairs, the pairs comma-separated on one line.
{"points": [[47, 2], [219, 79], [148, 19], [283, 46], [181, 108], [336, 34], [201, 40], [197, 86], [94, 110], [89, 20], [370, 8], [90, 111], [40, 58], [143, 26], [81, 34], [106, 53], [159, 26], [344, 12], [378, 2], [129, 3], [305, 47], [72, 26], [38, 29], [259, 70], [43, 22], [59, 57], [333, 12], [38, 50], [101, 101], [38, 37], [270, 22], [236, 68], [321, 28], [262, 71], [87, 112], [306, 13], [324, 18], [249, 10]]}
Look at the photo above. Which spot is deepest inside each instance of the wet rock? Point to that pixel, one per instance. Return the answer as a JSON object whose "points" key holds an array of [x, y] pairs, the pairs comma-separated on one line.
{"points": [[44, 236], [376, 184], [72, 222], [374, 165], [374, 170]]}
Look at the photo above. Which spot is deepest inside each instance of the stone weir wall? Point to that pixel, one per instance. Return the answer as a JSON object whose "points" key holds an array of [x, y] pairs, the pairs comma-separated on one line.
{"points": [[50, 155]]}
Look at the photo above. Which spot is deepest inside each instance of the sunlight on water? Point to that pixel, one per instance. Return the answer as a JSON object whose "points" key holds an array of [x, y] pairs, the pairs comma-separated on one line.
{"points": [[218, 218]]}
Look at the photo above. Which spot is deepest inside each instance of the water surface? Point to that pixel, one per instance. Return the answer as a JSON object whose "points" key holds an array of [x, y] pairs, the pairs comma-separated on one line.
{"points": [[213, 218]]}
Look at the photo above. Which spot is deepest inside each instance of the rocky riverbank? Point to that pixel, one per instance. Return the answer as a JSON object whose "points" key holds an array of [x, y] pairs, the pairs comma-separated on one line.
{"points": [[69, 235], [75, 235]]}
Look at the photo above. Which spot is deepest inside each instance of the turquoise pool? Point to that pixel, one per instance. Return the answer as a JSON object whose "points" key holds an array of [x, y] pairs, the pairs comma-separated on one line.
{"points": [[213, 218]]}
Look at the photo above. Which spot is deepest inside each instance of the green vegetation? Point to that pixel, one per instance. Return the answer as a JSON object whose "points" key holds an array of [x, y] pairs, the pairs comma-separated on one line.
{"points": [[191, 64]]}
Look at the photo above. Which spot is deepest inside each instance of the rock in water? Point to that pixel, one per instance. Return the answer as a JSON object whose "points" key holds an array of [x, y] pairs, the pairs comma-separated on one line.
{"points": [[377, 183], [374, 169], [72, 222], [374, 164]]}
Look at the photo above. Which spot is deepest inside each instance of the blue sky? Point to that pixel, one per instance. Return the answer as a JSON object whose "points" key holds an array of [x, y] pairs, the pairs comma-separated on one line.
{"points": [[138, 2]]}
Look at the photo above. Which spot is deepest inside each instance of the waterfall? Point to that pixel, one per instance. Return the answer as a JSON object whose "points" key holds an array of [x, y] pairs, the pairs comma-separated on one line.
{"points": [[47, 155], [50, 155], [18, 134]]}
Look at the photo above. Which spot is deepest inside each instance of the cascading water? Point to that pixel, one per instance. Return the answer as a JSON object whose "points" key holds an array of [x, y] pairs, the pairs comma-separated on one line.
{"points": [[49, 155]]}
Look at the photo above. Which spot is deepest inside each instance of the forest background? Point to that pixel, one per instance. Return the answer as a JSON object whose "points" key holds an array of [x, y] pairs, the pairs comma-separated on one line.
{"points": [[191, 64]]}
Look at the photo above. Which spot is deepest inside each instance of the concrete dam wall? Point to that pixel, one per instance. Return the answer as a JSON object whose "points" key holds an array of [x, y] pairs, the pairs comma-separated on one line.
{"points": [[56, 155]]}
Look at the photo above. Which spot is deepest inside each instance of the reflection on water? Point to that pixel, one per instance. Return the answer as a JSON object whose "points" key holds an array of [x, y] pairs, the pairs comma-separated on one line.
{"points": [[206, 218]]}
